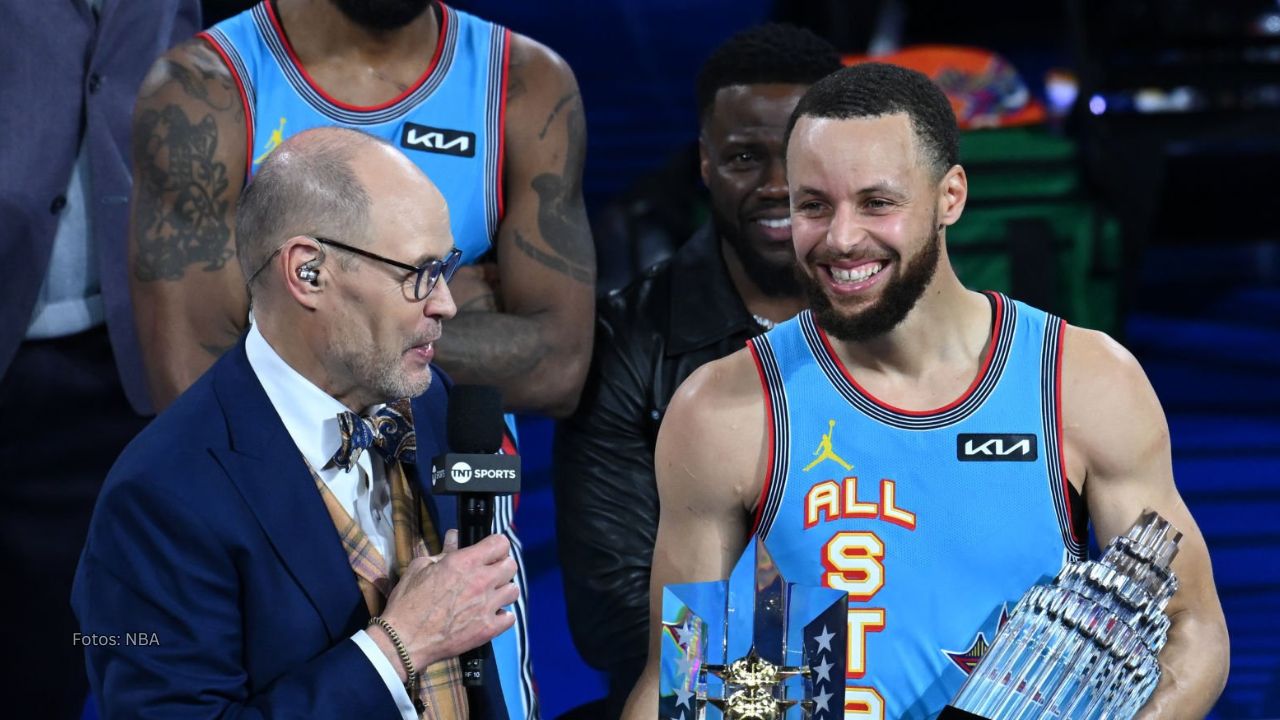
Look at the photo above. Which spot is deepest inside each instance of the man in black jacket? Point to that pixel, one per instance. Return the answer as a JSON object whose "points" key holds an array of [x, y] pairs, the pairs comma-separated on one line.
{"points": [[732, 280]]}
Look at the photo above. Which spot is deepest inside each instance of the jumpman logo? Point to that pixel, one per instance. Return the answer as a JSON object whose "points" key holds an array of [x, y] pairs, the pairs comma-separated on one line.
{"points": [[273, 142], [824, 451]]}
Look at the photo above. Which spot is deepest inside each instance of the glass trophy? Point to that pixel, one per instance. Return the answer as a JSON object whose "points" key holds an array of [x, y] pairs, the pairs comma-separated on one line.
{"points": [[753, 647], [1084, 646]]}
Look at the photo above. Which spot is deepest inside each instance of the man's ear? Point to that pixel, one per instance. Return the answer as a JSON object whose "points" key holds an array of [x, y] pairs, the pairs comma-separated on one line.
{"points": [[305, 275], [953, 193]]}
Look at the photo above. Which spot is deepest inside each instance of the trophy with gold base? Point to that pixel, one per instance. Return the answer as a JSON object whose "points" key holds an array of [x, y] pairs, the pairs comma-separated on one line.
{"points": [[753, 647], [1085, 646]]}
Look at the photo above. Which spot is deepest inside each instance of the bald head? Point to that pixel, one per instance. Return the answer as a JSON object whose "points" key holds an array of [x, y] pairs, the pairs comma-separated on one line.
{"points": [[309, 185]]}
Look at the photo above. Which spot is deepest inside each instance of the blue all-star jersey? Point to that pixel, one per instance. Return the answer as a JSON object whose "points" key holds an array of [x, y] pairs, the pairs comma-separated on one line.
{"points": [[934, 522], [450, 122]]}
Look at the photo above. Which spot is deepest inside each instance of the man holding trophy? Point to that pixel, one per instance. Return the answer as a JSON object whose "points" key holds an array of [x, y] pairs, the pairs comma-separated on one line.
{"points": [[932, 451]]}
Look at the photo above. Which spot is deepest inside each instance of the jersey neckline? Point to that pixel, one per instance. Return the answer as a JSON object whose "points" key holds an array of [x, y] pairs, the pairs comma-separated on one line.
{"points": [[444, 37], [997, 352]]}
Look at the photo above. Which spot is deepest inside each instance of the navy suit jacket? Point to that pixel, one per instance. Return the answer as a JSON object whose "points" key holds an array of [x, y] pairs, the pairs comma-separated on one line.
{"points": [[209, 534]]}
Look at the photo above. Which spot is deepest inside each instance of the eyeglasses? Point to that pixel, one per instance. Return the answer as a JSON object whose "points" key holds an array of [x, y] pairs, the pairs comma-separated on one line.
{"points": [[425, 276]]}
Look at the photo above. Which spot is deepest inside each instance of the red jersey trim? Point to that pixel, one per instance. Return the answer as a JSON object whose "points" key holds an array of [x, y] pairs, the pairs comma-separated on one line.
{"points": [[1062, 451], [293, 58], [992, 344], [244, 100], [768, 423]]}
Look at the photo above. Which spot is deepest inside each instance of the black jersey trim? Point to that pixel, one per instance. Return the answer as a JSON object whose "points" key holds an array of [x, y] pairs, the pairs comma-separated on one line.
{"points": [[1005, 320]]}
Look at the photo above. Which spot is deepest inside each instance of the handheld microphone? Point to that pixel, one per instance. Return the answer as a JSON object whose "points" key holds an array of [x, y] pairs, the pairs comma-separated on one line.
{"points": [[475, 473]]}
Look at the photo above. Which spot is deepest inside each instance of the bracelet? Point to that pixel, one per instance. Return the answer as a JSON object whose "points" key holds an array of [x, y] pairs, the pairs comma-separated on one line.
{"points": [[411, 675]]}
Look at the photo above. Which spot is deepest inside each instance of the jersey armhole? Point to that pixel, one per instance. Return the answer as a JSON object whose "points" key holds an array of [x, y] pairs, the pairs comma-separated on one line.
{"points": [[1073, 501], [244, 101], [502, 124], [771, 440]]}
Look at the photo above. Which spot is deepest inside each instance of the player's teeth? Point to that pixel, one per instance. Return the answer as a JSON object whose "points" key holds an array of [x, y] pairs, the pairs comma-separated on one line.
{"points": [[856, 275], [778, 224]]}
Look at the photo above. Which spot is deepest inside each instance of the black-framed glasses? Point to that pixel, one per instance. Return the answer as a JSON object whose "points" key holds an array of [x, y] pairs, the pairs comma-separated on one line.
{"points": [[425, 275]]}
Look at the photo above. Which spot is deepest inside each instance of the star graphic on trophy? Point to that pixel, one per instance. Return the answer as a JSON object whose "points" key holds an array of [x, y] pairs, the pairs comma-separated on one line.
{"points": [[758, 642], [822, 703], [680, 632], [824, 640], [822, 671], [683, 696]]}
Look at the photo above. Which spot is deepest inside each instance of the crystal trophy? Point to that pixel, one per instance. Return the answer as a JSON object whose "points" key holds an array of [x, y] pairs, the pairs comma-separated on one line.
{"points": [[753, 647], [1084, 646]]}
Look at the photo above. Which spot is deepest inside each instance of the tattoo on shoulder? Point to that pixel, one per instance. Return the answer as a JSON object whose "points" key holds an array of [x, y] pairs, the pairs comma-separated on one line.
{"points": [[180, 214], [196, 84], [555, 262], [556, 111], [201, 75], [562, 222]]}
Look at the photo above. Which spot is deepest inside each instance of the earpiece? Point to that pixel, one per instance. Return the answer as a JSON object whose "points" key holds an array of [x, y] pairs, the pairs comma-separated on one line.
{"points": [[308, 274]]}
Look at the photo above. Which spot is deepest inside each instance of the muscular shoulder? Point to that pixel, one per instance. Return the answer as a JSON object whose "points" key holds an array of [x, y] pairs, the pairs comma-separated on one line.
{"points": [[195, 70], [535, 63], [540, 86], [713, 435], [189, 95], [722, 387], [1111, 415]]}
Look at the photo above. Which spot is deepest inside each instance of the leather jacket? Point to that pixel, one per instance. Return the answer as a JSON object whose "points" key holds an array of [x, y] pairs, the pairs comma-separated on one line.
{"points": [[649, 337]]}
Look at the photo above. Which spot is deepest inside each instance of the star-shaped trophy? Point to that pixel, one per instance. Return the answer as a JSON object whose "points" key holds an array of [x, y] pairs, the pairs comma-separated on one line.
{"points": [[753, 647]]}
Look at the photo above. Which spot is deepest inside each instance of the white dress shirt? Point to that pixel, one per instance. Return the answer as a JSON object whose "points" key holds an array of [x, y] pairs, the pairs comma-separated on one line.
{"points": [[310, 415]]}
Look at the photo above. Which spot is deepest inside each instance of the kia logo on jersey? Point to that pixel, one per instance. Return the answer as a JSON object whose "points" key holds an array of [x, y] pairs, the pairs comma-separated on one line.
{"points": [[438, 140], [996, 447]]}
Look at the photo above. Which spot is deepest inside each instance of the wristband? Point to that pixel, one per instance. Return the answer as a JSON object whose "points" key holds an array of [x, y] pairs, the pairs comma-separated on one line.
{"points": [[411, 674]]}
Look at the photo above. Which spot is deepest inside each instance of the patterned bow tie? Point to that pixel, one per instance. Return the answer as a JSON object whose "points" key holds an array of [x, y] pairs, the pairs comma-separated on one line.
{"points": [[389, 431]]}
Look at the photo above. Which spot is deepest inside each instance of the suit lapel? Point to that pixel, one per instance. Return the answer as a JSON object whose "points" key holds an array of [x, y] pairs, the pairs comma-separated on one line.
{"points": [[266, 467], [429, 424]]}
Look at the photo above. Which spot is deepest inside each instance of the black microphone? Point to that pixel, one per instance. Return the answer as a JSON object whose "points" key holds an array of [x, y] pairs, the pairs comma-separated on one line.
{"points": [[475, 473]]}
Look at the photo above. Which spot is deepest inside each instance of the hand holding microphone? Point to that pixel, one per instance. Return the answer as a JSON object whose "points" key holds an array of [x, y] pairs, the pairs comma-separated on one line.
{"points": [[475, 473], [446, 604]]}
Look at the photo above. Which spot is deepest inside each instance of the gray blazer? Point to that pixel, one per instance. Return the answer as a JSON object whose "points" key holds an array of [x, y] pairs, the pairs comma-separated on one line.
{"points": [[65, 75]]}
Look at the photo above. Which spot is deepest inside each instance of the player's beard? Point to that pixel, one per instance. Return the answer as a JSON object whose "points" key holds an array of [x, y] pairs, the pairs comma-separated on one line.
{"points": [[382, 15], [899, 296]]}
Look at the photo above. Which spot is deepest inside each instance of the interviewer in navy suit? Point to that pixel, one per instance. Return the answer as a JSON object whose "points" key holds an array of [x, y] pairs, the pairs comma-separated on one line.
{"points": [[214, 582]]}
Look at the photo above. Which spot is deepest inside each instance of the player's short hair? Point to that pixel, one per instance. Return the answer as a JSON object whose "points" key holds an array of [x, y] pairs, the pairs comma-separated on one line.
{"points": [[770, 53], [869, 90]]}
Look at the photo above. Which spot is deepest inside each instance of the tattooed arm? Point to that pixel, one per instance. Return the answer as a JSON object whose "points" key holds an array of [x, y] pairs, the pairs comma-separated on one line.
{"points": [[188, 294], [538, 347]]}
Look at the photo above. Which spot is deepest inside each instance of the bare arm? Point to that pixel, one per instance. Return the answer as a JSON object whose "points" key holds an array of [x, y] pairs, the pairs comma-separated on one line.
{"points": [[1118, 442], [188, 294], [537, 345], [710, 464]]}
